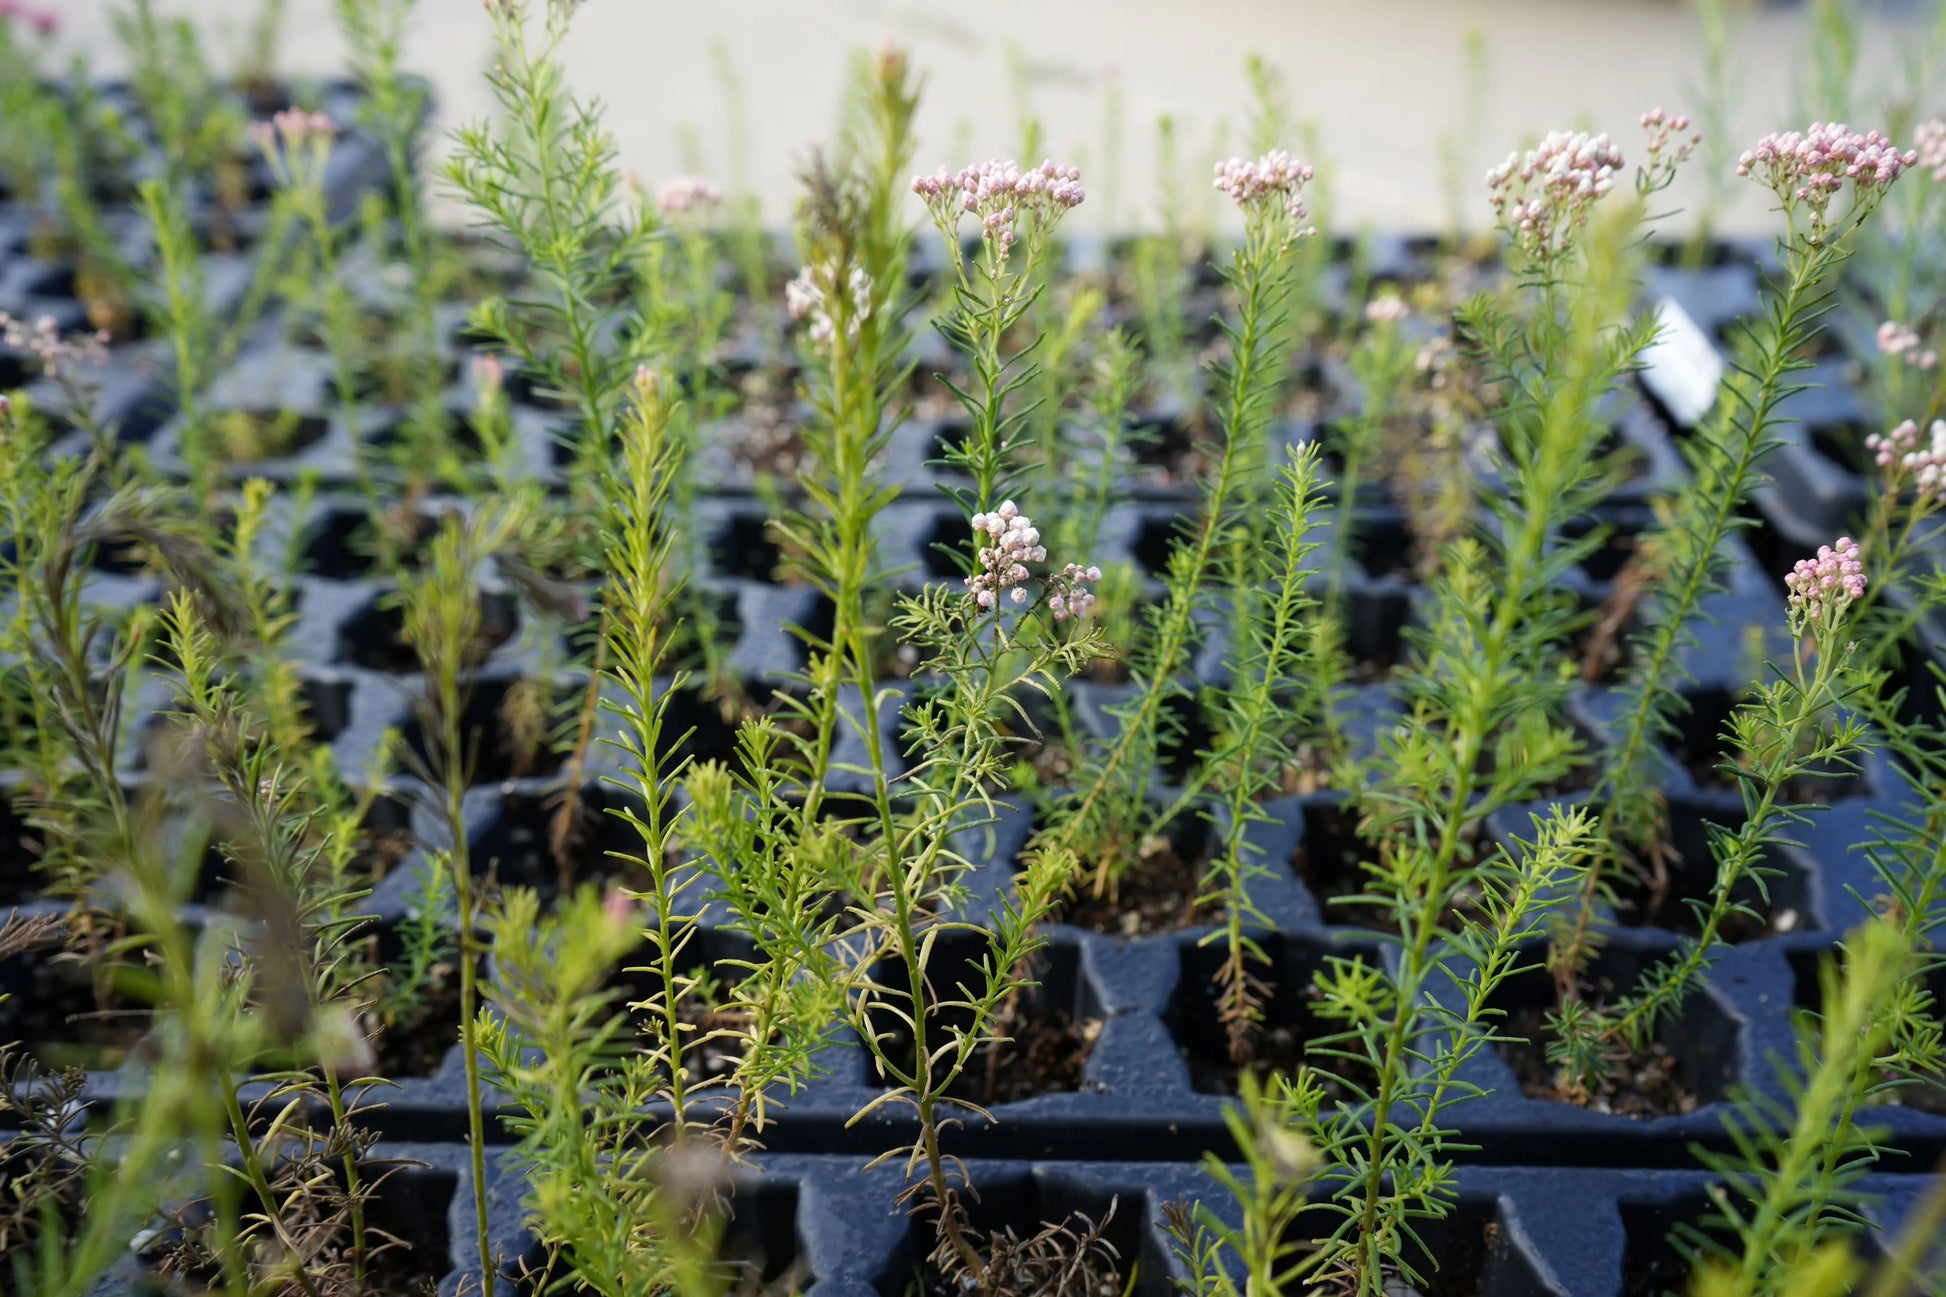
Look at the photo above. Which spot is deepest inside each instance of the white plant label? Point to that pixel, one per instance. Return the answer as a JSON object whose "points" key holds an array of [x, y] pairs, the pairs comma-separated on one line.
{"points": [[1682, 367]]}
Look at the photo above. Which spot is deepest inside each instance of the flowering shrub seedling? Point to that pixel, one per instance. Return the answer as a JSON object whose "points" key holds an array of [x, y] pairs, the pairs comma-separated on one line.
{"points": [[586, 754]]}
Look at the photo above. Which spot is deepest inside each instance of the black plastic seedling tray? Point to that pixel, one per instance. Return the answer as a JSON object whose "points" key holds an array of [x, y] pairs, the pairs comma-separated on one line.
{"points": [[1577, 1199], [135, 394], [826, 1227]]}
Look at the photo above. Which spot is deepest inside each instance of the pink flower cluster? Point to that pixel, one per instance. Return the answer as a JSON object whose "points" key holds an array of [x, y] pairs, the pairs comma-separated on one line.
{"points": [[808, 297], [44, 342], [1814, 166], [1016, 542], [1895, 339], [489, 375], [1389, 309], [295, 127], [1542, 196], [1669, 136], [1003, 564], [1068, 594], [1929, 142], [1001, 195], [1898, 450], [45, 22], [1822, 587], [1275, 177], [686, 194]]}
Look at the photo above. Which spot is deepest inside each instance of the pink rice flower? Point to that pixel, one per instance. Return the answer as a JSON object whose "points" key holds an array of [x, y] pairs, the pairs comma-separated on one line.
{"points": [[1276, 177], [1014, 542], [1822, 588], [1929, 142], [44, 342], [1006, 200], [1812, 167], [1669, 135], [811, 295], [618, 907], [1907, 465], [1389, 309], [298, 127], [489, 375], [1895, 339], [687, 194], [1542, 197], [1901, 340], [45, 22]]}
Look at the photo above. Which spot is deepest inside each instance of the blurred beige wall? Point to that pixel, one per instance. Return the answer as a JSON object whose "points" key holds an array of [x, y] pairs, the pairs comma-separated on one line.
{"points": [[1382, 81]]}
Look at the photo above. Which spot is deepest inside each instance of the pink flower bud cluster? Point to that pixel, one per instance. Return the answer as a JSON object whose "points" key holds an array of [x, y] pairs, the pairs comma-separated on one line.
{"points": [[45, 22], [1896, 339], [1276, 177], [1898, 451], [1389, 309], [44, 342], [488, 373], [1813, 166], [1003, 564], [295, 127], [1822, 587], [1068, 594], [1670, 139], [1929, 142], [686, 194], [1001, 196], [1014, 542], [1541, 197], [808, 297]]}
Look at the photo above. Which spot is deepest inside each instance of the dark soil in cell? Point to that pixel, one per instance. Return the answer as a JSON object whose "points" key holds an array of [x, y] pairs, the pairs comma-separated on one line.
{"points": [[1050, 1026], [1385, 546], [1690, 1062], [1157, 894], [417, 1046], [408, 1210], [1844, 445], [1036, 1240], [707, 1055], [1674, 890], [1042, 1056], [1649, 1085], [744, 548], [1168, 448], [63, 1015], [460, 433], [1707, 754], [1288, 1037], [506, 729], [348, 544], [518, 845], [374, 636], [1154, 541], [1652, 1263], [21, 848], [1331, 859], [1466, 1253], [1607, 560], [757, 1252]]}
